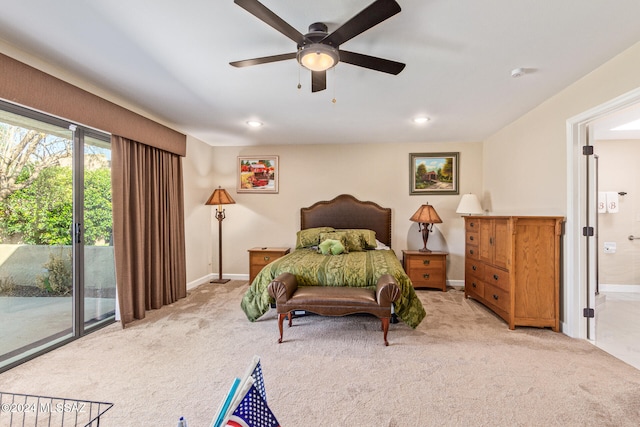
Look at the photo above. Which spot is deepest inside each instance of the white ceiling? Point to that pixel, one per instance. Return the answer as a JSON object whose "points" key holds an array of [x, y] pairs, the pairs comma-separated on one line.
{"points": [[171, 59]]}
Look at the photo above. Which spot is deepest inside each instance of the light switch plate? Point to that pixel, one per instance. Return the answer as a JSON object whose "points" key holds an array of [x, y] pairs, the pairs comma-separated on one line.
{"points": [[609, 247]]}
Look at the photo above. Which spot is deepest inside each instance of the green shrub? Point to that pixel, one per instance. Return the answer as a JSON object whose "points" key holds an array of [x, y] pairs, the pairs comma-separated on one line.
{"points": [[58, 279], [7, 285]]}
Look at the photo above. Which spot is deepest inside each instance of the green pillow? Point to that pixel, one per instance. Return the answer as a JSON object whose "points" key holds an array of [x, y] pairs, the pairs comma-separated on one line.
{"points": [[310, 236], [330, 246], [336, 235]]}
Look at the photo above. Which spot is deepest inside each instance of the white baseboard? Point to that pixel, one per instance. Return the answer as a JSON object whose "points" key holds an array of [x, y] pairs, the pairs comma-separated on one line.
{"points": [[458, 284], [619, 288], [212, 276]]}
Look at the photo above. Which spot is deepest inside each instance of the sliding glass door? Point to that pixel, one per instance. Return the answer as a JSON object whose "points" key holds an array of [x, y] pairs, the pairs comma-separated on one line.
{"points": [[56, 258]]}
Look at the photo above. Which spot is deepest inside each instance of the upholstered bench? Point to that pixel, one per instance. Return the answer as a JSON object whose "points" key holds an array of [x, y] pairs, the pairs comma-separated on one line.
{"points": [[333, 300]]}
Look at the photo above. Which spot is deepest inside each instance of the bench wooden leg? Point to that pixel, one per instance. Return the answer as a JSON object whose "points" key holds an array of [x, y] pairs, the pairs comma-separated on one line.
{"points": [[281, 317], [385, 329]]}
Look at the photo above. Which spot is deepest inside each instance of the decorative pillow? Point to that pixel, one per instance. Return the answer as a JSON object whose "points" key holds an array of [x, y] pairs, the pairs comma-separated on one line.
{"points": [[330, 246], [341, 236], [355, 240], [310, 236], [368, 238]]}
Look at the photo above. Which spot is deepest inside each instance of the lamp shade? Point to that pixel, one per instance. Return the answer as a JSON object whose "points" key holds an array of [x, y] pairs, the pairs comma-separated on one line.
{"points": [[220, 197], [426, 214], [469, 204]]}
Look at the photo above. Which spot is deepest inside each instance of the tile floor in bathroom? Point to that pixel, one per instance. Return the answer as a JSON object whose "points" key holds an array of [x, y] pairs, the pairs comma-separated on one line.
{"points": [[618, 325]]}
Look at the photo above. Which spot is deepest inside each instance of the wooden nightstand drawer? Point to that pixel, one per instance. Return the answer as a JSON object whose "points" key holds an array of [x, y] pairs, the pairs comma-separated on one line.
{"points": [[426, 269], [259, 257]]}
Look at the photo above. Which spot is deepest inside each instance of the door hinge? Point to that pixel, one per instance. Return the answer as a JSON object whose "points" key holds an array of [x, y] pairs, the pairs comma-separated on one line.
{"points": [[588, 231], [587, 150], [589, 312]]}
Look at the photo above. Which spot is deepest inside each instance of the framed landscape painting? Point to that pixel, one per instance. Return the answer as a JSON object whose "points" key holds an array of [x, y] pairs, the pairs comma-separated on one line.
{"points": [[433, 173], [258, 174]]}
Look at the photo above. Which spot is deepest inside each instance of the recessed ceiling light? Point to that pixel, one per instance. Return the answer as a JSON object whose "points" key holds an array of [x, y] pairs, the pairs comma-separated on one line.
{"points": [[420, 120], [254, 123], [518, 72], [634, 125]]}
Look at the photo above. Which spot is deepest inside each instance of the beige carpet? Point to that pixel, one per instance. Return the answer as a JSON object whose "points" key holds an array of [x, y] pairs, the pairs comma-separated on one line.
{"points": [[461, 366]]}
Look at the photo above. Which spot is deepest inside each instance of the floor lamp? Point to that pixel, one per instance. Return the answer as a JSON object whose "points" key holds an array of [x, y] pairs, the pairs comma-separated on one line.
{"points": [[220, 197]]}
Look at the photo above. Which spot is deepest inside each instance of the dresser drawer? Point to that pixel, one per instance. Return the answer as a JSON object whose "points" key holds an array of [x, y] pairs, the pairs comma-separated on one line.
{"points": [[497, 297], [474, 268], [471, 251], [474, 287], [472, 238], [472, 225], [496, 277]]}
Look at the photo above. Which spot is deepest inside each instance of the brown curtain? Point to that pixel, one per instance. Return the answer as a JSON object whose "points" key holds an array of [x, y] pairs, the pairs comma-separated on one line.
{"points": [[148, 227]]}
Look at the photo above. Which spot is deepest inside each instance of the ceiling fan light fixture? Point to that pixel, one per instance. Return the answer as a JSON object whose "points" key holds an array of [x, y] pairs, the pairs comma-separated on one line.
{"points": [[318, 57], [254, 123]]}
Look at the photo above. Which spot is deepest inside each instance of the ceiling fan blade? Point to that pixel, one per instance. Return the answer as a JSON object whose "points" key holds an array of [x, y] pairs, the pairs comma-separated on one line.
{"points": [[318, 81], [261, 12], [371, 62], [263, 60], [370, 16]]}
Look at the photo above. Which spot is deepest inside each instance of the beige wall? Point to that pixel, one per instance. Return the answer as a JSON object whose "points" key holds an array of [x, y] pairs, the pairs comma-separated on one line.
{"points": [[199, 178], [525, 163], [309, 173]]}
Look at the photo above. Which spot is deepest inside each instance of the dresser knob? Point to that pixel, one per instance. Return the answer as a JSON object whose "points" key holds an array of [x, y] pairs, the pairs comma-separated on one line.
{"points": [[474, 268], [474, 285], [471, 251], [495, 277], [426, 275], [495, 297], [470, 237], [426, 261], [267, 258]]}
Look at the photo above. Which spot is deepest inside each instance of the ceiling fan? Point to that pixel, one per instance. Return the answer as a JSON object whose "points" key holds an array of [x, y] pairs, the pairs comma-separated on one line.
{"points": [[318, 50]]}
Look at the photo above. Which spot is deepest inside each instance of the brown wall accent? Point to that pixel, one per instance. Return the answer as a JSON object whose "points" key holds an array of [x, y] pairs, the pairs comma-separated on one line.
{"points": [[27, 86]]}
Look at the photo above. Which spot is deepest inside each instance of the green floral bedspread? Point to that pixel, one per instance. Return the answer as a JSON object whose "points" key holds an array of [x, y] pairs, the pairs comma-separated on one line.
{"points": [[357, 269]]}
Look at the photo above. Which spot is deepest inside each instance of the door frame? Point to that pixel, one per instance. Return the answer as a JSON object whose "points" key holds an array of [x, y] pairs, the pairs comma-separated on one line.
{"points": [[576, 259]]}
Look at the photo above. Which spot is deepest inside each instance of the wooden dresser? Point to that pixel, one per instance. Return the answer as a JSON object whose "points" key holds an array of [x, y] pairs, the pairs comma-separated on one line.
{"points": [[259, 257], [512, 265]]}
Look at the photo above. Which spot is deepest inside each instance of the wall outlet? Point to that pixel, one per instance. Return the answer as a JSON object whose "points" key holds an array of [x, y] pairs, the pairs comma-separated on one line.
{"points": [[609, 247]]}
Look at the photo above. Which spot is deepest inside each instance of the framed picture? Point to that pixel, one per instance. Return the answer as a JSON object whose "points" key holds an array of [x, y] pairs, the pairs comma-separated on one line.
{"points": [[433, 173], [258, 174]]}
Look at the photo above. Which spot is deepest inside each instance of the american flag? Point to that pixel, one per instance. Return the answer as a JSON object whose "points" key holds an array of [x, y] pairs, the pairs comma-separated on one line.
{"points": [[259, 381], [252, 412]]}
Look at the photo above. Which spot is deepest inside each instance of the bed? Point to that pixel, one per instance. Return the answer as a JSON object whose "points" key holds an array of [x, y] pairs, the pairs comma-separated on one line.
{"points": [[342, 218]]}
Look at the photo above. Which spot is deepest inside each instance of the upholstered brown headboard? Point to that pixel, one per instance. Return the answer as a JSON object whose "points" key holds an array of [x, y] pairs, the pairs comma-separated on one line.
{"points": [[345, 211]]}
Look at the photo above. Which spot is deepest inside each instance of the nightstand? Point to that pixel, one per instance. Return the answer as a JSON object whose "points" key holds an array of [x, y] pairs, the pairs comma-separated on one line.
{"points": [[259, 257], [426, 269]]}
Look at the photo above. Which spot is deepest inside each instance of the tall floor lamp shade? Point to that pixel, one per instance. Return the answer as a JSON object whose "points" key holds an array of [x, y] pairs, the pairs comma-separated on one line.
{"points": [[220, 197], [425, 216]]}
